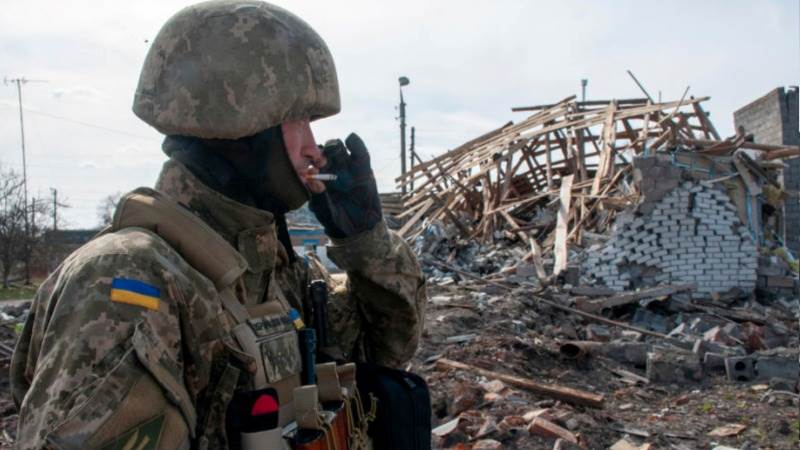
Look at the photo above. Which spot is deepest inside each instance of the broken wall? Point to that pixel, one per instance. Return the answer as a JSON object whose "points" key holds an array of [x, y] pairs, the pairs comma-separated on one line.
{"points": [[685, 231], [773, 120]]}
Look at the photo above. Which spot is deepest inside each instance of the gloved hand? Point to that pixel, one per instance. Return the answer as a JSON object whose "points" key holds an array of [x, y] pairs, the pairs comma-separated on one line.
{"points": [[350, 204]]}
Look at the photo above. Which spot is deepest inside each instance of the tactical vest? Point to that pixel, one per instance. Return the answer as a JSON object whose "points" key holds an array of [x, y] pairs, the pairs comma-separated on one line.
{"points": [[266, 339]]}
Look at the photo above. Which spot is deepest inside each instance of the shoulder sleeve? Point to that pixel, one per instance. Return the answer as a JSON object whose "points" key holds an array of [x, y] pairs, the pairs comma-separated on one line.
{"points": [[386, 281], [99, 362]]}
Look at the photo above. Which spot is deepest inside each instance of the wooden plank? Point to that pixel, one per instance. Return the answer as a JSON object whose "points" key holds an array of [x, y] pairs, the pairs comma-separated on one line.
{"points": [[536, 256], [581, 153], [566, 394], [560, 246], [609, 137], [624, 298], [752, 186], [624, 101], [549, 162], [788, 152], [707, 124], [411, 222]]}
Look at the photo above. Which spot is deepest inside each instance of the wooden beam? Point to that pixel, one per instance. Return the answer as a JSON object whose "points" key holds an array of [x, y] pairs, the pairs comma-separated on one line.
{"points": [[609, 137], [560, 246], [562, 393], [411, 222]]}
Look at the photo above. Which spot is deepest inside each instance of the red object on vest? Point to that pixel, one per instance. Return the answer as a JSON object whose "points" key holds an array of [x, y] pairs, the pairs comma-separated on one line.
{"points": [[266, 404]]}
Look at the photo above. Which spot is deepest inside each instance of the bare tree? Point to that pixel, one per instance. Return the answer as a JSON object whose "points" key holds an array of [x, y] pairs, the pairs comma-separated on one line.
{"points": [[21, 225], [105, 210]]}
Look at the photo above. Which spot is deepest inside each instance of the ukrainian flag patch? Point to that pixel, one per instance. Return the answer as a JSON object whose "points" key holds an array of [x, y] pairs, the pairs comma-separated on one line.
{"points": [[294, 316], [135, 292]]}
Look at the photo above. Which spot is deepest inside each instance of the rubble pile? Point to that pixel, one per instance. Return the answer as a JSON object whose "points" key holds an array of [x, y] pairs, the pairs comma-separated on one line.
{"points": [[519, 368], [607, 275], [12, 316]]}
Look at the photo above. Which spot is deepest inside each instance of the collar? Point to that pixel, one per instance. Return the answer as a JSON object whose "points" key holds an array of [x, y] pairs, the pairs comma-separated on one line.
{"points": [[227, 217]]}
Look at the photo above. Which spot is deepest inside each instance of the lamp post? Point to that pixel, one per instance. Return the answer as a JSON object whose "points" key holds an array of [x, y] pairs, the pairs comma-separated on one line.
{"points": [[584, 82], [403, 82]]}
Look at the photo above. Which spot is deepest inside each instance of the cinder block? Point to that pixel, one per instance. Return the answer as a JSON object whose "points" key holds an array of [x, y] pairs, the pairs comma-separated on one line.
{"points": [[740, 368]]}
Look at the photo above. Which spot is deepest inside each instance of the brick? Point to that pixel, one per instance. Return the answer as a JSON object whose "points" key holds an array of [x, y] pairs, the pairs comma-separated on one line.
{"points": [[544, 428]]}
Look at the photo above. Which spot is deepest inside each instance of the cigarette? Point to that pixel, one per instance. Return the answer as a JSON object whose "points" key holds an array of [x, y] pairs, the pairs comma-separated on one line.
{"points": [[324, 177]]}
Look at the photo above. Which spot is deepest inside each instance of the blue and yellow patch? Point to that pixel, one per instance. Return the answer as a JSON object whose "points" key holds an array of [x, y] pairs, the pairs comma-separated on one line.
{"points": [[294, 316], [135, 292]]}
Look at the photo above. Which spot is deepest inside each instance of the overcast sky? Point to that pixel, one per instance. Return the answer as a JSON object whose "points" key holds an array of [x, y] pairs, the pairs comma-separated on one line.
{"points": [[469, 62]]}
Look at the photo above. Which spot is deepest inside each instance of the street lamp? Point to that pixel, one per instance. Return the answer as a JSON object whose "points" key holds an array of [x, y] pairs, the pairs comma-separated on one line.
{"points": [[403, 82], [584, 82]]}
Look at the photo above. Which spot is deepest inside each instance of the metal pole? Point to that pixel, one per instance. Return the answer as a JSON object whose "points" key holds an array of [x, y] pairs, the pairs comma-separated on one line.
{"points": [[402, 138], [55, 209], [412, 155], [19, 82], [584, 82]]}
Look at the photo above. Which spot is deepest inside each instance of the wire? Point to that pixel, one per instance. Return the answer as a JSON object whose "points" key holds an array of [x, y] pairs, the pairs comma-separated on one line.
{"points": [[87, 124]]}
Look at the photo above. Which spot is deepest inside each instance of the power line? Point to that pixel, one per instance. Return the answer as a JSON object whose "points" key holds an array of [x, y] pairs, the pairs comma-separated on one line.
{"points": [[90, 125]]}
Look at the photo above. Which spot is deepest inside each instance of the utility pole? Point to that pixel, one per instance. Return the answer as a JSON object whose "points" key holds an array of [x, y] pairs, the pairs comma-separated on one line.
{"points": [[19, 82], [411, 150], [55, 208], [403, 82]]}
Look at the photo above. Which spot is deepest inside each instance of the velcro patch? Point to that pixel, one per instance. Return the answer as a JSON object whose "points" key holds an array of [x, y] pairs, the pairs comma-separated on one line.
{"points": [[144, 436], [135, 292]]}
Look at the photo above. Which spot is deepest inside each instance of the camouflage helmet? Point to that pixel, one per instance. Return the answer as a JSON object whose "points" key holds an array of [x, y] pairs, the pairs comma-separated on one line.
{"points": [[229, 69]]}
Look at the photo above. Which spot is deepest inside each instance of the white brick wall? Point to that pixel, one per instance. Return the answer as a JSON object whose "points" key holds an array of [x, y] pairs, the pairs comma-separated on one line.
{"points": [[692, 236]]}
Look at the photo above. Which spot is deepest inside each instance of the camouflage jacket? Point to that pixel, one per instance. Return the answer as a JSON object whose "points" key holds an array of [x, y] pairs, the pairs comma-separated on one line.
{"points": [[155, 367]]}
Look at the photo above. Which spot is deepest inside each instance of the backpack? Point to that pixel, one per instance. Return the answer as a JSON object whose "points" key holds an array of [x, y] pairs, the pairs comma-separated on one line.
{"points": [[403, 418]]}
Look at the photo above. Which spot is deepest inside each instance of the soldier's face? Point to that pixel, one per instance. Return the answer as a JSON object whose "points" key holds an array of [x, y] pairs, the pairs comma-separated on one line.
{"points": [[303, 152]]}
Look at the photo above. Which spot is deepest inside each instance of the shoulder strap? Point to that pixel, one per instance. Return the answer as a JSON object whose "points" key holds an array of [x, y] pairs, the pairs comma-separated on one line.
{"points": [[197, 243]]}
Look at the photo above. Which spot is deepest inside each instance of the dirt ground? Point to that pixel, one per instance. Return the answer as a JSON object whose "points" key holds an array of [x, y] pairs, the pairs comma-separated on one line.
{"points": [[509, 333], [514, 337]]}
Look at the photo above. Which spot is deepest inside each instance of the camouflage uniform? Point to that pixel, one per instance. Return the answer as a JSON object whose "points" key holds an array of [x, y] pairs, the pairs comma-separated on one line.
{"points": [[94, 373], [156, 368]]}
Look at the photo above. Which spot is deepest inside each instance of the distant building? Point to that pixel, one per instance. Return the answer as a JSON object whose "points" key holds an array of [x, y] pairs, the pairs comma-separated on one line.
{"points": [[773, 120], [57, 245]]}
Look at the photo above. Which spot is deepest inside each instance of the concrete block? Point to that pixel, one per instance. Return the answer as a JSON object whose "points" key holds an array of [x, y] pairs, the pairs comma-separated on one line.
{"points": [[768, 367], [673, 366], [714, 362], [740, 368]]}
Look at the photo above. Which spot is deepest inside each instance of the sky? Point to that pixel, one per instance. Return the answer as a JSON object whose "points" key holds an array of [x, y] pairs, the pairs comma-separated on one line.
{"points": [[468, 62]]}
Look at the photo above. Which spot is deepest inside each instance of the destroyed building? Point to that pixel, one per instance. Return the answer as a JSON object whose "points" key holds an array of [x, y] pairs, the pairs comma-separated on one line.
{"points": [[773, 120], [609, 274], [575, 173]]}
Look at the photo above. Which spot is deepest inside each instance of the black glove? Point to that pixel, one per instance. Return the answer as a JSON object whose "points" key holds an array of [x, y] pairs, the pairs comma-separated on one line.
{"points": [[350, 204]]}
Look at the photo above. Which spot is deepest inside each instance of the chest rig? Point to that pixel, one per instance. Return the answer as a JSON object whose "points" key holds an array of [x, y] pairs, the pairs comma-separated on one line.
{"points": [[264, 334]]}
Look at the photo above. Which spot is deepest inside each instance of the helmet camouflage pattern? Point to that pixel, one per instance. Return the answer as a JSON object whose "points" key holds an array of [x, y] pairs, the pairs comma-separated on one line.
{"points": [[228, 69]]}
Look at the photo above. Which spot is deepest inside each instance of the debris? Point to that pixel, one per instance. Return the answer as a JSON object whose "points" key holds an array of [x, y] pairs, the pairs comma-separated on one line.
{"points": [[559, 392], [487, 444], [446, 428], [460, 338], [656, 261], [596, 305], [731, 429], [545, 428], [673, 366], [626, 352], [561, 444], [623, 444]]}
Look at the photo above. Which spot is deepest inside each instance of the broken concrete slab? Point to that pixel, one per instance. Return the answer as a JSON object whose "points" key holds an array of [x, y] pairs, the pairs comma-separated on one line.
{"points": [[665, 365]]}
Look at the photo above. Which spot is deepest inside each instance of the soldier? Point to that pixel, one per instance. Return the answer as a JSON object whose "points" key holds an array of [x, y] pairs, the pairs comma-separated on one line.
{"points": [[138, 340]]}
